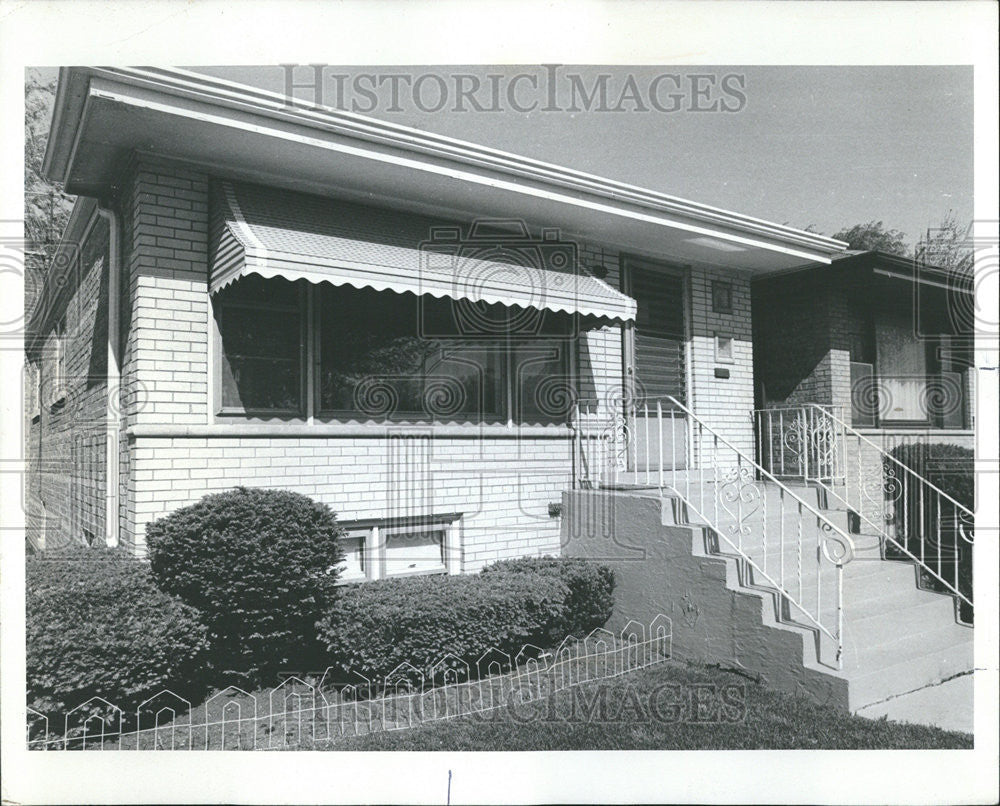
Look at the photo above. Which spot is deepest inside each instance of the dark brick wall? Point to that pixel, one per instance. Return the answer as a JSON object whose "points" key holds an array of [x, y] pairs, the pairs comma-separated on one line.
{"points": [[65, 495], [796, 360]]}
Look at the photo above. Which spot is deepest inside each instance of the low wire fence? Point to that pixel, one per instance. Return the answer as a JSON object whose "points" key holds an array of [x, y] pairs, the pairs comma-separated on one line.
{"points": [[306, 713]]}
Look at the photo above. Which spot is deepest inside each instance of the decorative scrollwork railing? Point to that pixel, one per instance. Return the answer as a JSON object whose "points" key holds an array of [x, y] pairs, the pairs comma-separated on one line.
{"points": [[914, 518], [782, 540]]}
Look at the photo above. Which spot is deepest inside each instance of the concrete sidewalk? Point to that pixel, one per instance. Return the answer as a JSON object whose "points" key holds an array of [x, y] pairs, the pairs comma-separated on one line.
{"points": [[948, 705]]}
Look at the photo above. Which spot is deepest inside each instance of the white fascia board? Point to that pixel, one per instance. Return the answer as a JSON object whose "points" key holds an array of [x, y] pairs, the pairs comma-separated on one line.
{"points": [[296, 131], [353, 124]]}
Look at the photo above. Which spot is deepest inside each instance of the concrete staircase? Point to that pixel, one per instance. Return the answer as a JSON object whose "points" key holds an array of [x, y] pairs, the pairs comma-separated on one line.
{"points": [[896, 637]]}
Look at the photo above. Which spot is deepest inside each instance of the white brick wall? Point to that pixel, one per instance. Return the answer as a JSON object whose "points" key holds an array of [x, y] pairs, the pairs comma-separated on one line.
{"points": [[725, 404], [169, 294], [502, 486]]}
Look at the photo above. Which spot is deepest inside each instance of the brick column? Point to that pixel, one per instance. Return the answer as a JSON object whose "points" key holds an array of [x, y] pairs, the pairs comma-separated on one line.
{"points": [[165, 365]]}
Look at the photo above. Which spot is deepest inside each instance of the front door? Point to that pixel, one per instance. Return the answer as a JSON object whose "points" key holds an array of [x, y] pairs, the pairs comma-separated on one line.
{"points": [[902, 369], [658, 365]]}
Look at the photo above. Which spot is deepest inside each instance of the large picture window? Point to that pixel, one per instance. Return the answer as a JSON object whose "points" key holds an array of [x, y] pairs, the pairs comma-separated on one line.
{"points": [[400, 357], [397, 356], [387, 357]]}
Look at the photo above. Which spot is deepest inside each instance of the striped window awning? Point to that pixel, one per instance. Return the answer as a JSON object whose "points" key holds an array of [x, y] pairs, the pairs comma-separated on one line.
{"points": [[280, 233]]}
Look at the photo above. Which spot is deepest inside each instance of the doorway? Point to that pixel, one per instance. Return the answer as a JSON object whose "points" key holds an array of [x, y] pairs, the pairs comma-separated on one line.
{"points": [[658, 363]]}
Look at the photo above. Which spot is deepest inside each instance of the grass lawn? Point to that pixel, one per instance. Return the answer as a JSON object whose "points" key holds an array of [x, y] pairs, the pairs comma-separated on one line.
{"points": [[667, 707]]}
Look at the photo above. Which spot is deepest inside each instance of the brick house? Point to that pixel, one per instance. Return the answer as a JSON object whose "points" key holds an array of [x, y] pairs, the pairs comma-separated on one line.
{"points": [[237, 268], [471, 355]]}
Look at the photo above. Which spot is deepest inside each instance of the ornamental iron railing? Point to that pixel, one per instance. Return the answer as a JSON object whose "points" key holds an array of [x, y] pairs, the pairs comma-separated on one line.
{"points": [[783, 541], [884, 495]]}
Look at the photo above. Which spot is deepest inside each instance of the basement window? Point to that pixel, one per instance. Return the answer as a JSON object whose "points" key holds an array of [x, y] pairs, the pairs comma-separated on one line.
{"points": [[385, 549]]}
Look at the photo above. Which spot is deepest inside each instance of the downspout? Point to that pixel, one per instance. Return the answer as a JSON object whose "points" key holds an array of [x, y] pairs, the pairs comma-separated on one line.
{"points": [[113, 411]]}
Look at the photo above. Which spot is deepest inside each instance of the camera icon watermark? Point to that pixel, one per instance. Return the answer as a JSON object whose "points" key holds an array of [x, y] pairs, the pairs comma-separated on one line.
{"points": [[44, 272], [963, 267], [504, 282]]}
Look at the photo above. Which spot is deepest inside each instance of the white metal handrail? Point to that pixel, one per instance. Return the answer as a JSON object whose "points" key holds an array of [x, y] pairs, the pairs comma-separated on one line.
{"points": [[661, 443], [885, 494], [792, 443]]}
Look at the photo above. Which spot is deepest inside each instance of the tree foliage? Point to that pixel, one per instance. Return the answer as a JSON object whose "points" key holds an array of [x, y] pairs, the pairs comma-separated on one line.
{"points": [[46, 207], [947, 246], [873, 236]]}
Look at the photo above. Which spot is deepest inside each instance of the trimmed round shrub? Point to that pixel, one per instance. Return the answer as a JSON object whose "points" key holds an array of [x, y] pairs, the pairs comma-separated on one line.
{"points": [[591, 588], [259, 565], [373, 627], [97, 626]]}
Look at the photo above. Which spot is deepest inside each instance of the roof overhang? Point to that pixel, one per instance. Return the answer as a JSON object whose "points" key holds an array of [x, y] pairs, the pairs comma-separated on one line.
{"points": [[872, 263], [104, 114]]}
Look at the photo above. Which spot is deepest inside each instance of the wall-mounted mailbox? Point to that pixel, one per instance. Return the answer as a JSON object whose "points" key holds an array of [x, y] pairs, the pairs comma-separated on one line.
{"points": [[721, 373]]}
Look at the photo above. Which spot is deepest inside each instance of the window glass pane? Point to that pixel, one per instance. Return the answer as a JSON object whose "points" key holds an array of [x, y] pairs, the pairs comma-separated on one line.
{"points": [[261, 360], [464, 380], [260, 384], [370, 348], [353, 567], [544, 391], [414, 552], [394, 356]]}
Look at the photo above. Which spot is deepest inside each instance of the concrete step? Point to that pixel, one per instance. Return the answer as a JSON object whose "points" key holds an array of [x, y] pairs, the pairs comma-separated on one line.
{"points": [[896, 637], [891, 570], [872, 591], [861, 657], [873, 623]]}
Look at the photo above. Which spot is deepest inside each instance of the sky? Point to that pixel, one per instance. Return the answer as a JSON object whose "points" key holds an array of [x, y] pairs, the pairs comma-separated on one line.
{"points": [[812, 147], [820, 147]]}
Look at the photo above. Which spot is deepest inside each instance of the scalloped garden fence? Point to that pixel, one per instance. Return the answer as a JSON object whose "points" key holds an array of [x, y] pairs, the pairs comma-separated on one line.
{"points": [[298, 714]]}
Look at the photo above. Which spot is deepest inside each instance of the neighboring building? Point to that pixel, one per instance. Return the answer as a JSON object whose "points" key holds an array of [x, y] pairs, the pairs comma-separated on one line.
{"points": [[886, 341], [265, 271]]}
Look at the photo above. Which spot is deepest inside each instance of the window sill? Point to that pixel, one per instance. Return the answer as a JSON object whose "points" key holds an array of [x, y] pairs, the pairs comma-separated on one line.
{"points": [[419, 572], [876, 431], [345, 431]]}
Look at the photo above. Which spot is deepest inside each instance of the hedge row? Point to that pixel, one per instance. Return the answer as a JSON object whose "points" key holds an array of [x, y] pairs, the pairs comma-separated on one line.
{"points": [[921, 514], [374, 627], [245, 582], [97, 626]]}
